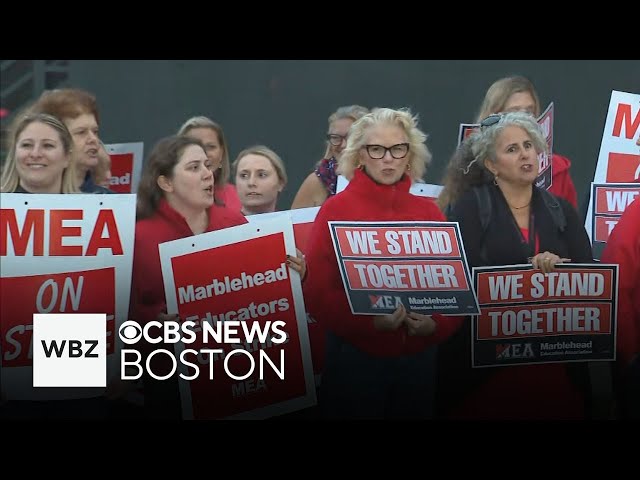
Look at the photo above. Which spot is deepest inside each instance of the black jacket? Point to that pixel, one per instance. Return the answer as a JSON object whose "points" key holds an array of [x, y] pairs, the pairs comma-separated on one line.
{"points": [[501, 244]]}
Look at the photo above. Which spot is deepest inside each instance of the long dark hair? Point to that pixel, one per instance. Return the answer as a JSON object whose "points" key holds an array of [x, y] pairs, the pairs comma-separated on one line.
{"points": [[162, 160]]}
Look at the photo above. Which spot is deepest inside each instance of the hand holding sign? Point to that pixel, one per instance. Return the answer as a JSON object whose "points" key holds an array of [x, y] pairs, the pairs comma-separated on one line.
{"points": [[547, 261], [298, 263], [420, 325], [391, 322]]}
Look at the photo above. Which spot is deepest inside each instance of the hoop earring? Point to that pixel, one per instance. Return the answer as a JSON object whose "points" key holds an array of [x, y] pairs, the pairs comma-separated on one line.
{"points": [[409, 167], [495, 179], [360, 166]]}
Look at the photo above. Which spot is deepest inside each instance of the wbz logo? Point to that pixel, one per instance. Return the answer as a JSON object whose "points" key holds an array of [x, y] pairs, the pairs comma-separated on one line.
{"points": [[73, 346], [69, 350], [385, 301], [513, 351]]}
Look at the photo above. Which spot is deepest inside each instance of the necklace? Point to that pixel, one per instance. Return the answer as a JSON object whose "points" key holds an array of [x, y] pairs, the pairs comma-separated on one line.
{"points": [[520, 208]]}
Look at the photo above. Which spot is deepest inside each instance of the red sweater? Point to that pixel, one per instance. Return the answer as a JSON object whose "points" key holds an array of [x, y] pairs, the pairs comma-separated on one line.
{"points": [[364, 200], [623, 248], [562, 185], [147, 289], [229, 196]]}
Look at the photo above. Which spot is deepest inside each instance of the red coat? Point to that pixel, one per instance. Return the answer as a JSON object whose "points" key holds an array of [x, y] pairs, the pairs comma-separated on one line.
{"points": [[364, 200], [147, 289], [623, 248], [562, 185]]}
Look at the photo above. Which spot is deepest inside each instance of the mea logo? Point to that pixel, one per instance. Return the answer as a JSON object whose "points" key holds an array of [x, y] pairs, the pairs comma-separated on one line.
{"points": [[385, 301], [70, 350], [505, 351]]}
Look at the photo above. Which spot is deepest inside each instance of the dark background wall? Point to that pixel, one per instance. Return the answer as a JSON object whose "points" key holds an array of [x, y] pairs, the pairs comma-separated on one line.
{"points": [[285, 104]]}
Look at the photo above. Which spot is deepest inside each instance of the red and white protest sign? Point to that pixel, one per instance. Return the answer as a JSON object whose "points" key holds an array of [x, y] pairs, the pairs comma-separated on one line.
{"points": [[126, 166], [610, 201], [530, 317], [619, 158], [302, 220], [61, 254], [238, 277], [421, 265]]}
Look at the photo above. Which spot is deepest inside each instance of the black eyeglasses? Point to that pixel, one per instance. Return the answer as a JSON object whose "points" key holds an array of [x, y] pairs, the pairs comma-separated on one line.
{"points": [[491, 120], [335, 139], [397, 151]]}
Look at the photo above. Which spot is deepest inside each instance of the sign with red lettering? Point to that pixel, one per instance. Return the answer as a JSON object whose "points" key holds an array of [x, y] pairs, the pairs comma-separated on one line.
{"points": [[61, 253], [302, 220], [126, 166], [609, 202], [246, 285], [421, 265], [619, 158], [528, 317], [545, 164]]}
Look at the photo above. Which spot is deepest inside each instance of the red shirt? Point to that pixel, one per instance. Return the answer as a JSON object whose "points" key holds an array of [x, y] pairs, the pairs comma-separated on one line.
{"points": [[229, 196], [325, 297], [147, 289]]}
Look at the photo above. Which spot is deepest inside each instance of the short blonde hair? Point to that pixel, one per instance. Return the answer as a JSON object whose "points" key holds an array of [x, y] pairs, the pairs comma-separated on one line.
{"points": [[419, 154], [265, 151], [10, 179]]}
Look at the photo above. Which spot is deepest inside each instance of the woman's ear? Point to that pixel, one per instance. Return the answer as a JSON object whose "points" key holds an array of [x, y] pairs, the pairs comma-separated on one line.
{"points": [[488, 164], [165, 184]]}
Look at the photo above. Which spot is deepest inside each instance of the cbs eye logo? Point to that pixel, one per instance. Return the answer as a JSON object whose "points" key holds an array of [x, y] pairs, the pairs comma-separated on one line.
{"points": [[130, 332]]}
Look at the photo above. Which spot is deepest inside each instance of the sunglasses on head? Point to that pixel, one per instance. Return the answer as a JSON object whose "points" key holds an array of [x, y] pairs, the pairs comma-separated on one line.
{"points": [[491, 120]]}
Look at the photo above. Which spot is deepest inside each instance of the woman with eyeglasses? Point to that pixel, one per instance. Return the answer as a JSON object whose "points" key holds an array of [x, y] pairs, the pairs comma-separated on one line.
{"points": [[498, 165], [375, 366], [517, 94], [321, 184]]}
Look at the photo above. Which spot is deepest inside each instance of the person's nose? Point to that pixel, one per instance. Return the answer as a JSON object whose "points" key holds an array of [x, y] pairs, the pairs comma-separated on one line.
{"points": [[527, 153], [387, 157], [36, 151]]}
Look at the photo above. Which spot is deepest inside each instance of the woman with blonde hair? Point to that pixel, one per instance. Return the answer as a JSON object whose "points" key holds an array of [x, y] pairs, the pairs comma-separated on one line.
{"points": [[382, 365], [39, 158], [215, 144], [321, 184], [260, 178]]}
